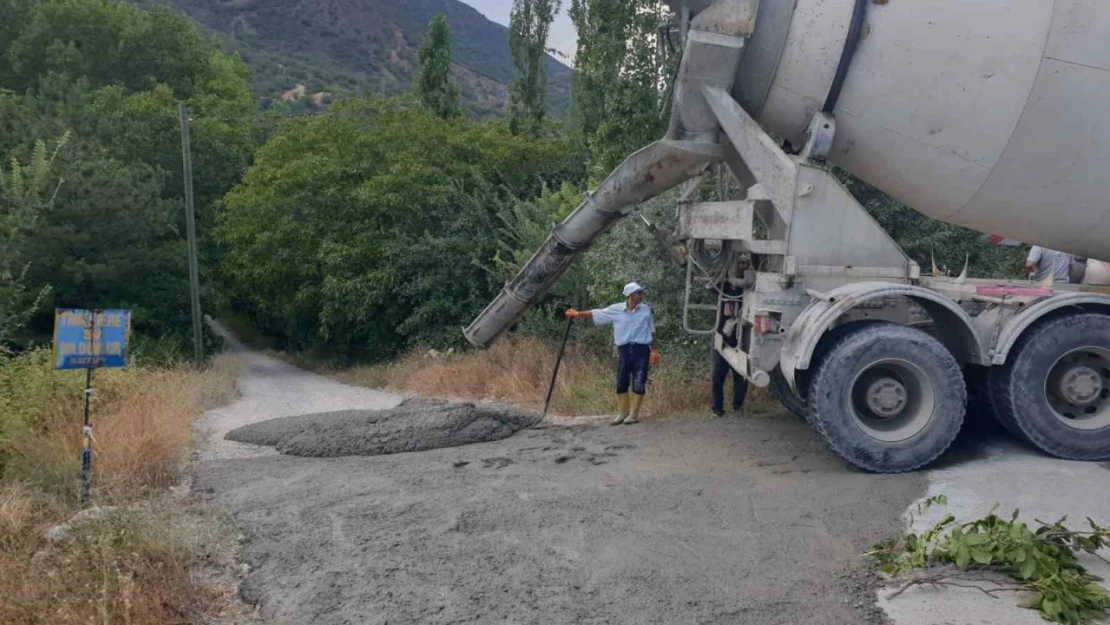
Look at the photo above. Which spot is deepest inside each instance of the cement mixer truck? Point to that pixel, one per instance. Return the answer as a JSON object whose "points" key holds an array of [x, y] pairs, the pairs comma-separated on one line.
{"points": [[989, 114]]}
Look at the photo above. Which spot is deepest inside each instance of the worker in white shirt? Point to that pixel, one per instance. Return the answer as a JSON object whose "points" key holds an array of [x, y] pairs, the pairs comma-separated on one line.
{"points": [[1043, 262], [634, 334]]}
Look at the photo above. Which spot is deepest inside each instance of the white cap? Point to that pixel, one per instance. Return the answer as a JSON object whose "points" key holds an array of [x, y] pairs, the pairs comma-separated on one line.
{"points": [[631, 288]]}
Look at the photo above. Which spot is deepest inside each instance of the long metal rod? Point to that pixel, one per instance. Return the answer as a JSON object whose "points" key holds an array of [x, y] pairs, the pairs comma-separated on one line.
{"points": [[191, 233], [86, 449], [555, 373], [86, 429]]}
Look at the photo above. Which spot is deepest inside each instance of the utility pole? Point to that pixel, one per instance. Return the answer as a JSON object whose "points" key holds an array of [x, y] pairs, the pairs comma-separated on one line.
{"points": [[191, 232]]}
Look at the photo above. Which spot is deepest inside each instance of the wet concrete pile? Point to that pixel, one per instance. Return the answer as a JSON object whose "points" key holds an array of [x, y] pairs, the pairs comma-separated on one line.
{"points": [[415, 425]]}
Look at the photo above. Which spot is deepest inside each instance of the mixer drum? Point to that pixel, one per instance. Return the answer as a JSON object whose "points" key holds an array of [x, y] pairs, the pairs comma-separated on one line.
{"points": [[990, 114]]}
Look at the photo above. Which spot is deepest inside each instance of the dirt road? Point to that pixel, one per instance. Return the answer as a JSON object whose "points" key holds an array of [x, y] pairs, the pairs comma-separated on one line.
{"points": [[717, 521], [723, 521], [270, 388]]}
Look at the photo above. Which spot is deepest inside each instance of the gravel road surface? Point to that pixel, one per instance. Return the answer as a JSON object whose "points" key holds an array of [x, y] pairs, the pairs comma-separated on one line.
{"points": [[726, 521], [716, 521], [270, 388]]}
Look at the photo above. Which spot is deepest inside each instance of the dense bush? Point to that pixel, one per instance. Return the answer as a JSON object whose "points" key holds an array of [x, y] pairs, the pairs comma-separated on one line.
{"points": [[112, 76], [374, 227]]}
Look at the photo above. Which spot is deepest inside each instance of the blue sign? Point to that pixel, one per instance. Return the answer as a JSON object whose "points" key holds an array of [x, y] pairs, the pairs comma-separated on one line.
{"points": [[91, 338]]}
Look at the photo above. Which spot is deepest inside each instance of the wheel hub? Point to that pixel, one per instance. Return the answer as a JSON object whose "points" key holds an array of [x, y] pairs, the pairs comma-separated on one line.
{"points": [[1077, 388], [886, 397], [1080, 385], [892, 399]]}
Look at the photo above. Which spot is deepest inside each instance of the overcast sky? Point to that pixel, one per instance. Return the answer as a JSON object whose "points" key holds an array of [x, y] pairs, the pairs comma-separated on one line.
{"points": [[562, 32]]}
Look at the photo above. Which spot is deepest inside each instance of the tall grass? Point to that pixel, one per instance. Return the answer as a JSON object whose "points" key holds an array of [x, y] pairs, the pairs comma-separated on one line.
{"points": [[129, 566], [517, 370], [142, 421]]}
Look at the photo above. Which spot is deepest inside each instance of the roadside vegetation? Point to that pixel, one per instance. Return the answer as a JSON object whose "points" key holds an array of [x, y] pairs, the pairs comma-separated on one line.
{"points": [[90, 156], [996, 555], [517, 371], [90, 218], [137, 558]]}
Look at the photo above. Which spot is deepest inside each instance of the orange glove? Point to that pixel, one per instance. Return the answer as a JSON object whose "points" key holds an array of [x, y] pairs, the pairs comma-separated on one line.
{"points": [[571, 313], [653, 359]]}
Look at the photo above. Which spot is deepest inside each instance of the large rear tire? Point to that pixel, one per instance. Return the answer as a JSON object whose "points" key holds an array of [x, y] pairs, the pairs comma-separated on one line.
{"points": [[1054, 390], [887, 398], [787, 396]]}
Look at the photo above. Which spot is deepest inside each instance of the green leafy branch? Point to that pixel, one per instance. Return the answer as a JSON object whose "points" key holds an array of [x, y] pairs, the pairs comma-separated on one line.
{"points": [[23, 187], [1042, 562]]}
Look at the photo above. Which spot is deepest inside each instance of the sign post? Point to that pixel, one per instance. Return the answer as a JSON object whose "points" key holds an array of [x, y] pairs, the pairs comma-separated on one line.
{"points": [[88, 339]]}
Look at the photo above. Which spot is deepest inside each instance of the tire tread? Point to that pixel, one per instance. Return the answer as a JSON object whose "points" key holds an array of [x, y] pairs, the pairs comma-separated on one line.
{"points": [[787, 397], [875, 331], [1003, 382]]}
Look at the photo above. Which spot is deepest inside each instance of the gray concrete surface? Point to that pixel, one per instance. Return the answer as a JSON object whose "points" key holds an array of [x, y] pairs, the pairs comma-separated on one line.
{"points": [[711, 522], [415, 425], [731, 521], [999, 470], [727, 521]]}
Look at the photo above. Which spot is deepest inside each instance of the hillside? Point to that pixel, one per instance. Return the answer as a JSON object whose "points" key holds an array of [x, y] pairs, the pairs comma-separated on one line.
{"points": [[366, 45]]}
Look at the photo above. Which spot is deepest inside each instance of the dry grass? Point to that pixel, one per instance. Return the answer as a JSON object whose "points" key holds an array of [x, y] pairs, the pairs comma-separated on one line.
{"points": [[517, 370], [142, 422], [16, 509], [145, 564], [136, 564]]}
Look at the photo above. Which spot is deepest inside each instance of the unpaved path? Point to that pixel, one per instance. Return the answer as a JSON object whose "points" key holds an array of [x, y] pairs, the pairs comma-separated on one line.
{"points": [[270, 388], [727, 521]]}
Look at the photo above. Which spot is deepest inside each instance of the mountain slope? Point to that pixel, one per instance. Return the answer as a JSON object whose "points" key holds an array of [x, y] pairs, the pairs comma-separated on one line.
{"points": [[367, 45]]}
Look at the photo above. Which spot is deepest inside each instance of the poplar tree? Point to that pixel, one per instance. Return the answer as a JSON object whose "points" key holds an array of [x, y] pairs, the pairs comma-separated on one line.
{"points": [[529, 26], [434, 85]]}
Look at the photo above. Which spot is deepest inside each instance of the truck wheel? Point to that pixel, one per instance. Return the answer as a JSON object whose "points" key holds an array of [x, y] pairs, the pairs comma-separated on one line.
{"points": [[801, 377], [887, 398], [786, 395], [996, 382], [1054, 390]]}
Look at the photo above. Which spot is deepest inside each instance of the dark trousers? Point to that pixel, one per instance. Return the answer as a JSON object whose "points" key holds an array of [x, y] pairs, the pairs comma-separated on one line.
{"points": [[632, 367], [721, 368]]}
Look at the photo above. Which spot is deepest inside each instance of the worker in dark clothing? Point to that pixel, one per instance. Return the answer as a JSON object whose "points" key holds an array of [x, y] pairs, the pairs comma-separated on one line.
{"points": [[728, 326]]}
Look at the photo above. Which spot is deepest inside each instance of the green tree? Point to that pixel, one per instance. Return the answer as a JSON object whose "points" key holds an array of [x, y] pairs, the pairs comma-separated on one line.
{"points": [[621, 81], [529, 25], [434, 85], [25, 192], [372, 228], [925, 239], [114, 74]]}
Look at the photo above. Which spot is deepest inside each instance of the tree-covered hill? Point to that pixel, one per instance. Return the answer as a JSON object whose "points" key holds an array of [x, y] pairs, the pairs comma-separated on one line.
{"points": [[365, 46]]}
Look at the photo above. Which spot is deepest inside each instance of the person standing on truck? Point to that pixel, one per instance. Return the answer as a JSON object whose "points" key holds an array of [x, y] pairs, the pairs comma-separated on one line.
{"points": [[634, 334], [728, 325], [1043, 262]]}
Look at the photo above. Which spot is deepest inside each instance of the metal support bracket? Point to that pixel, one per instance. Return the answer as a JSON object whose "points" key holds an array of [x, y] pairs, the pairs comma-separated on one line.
{"points": [[740, 362], [819, 137], [716, 220]]}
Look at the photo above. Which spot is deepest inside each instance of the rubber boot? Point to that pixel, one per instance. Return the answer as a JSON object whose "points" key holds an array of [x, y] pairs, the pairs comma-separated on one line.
{"points": [[622, 408], [634, 410]]}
